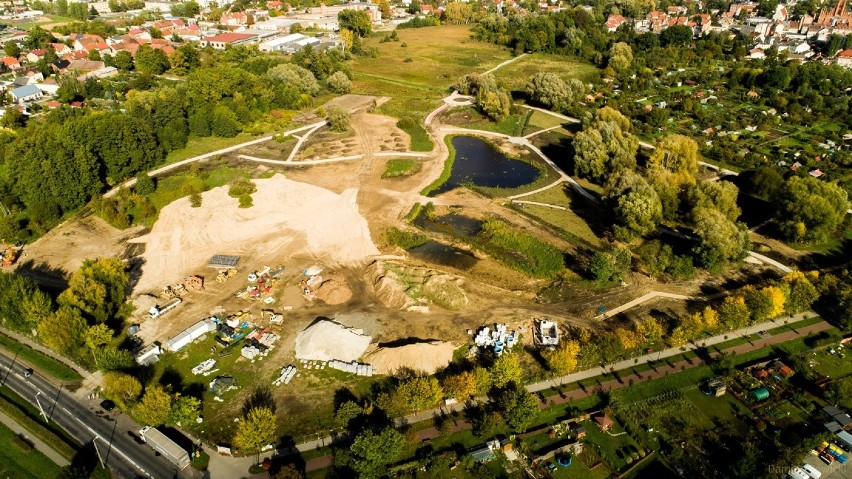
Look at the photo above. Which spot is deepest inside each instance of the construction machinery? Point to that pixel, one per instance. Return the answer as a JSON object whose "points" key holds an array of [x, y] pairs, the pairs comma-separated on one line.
{"points": [[10, 254], [225, 275]]}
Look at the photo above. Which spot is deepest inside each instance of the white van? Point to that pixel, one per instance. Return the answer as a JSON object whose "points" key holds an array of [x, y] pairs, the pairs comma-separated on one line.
{"points": [[812, 471], [797, 473]]}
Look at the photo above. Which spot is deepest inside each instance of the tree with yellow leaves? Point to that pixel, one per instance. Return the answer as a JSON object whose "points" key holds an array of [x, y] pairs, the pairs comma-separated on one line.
{"points": [[800, 291], [461, 386], [733, 312], [766, 303], [710, 317], [563, 359], [628, 339], [650, 330]]}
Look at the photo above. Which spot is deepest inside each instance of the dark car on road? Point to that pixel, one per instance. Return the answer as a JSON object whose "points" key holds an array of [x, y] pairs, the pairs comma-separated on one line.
{"points": [[107, 405]]}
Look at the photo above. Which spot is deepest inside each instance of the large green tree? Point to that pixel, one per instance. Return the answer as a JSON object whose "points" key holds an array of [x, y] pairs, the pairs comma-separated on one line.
{"points": [[357, 21], [637, 212], [605, 147], [151, 60], [63, 331], [371, 453], [719, 239], [97, 289], [809, 209], [256, 430], [155, 406]]}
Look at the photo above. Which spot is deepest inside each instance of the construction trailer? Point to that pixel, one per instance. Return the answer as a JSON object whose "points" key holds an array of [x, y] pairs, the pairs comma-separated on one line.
{"points": [[165, 446], [157, 311], [149, 355], [189, 335]]}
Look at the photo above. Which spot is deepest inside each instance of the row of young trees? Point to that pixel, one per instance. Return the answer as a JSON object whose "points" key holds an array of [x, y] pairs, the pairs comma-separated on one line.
{"points": [[794, 293]]}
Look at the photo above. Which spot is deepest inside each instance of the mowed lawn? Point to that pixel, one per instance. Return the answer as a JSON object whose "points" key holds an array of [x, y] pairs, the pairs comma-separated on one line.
{"points": [[419, 74], [514, 76], [16, 463]]}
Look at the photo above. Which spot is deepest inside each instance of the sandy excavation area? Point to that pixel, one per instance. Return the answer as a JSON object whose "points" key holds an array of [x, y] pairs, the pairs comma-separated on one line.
{"points": [[288, 217]]}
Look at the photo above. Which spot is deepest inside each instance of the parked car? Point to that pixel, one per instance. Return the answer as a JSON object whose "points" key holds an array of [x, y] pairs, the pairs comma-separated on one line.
{"points": [[107, 405]]}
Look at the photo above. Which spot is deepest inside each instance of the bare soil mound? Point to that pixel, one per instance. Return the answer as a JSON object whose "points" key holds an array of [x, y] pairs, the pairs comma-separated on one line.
{"points": [[287, 217], [334, 290], [426, 357], [325, 340], [408, 287]]}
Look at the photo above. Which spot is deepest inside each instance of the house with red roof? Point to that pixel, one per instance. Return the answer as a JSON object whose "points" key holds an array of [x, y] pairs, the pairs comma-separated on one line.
{"points": [[844, 58], [224, 40], [36, 55], [614, 21], [234, 19], [60, 49], [11, 63]]}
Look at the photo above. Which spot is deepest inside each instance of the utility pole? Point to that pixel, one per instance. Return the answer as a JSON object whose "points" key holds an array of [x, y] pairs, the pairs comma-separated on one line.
{"points": [[41, 409], [95, 443]]}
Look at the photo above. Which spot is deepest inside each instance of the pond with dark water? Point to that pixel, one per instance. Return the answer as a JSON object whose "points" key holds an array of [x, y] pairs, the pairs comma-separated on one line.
{"points": [[439, 253], [479, 163]]}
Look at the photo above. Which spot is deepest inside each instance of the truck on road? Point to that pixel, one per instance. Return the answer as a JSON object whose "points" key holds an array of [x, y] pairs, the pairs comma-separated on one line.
{"points": [[165, 446]]}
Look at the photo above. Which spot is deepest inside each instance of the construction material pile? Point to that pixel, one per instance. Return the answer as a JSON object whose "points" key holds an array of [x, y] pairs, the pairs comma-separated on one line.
{"points": [[354, 367], [287, 375], [333, 290], [427, 357], [325, 339]]}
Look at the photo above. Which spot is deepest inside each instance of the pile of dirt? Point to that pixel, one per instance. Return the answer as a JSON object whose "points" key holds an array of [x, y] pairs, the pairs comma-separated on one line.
{"points": [[427, 357], [411, 288], [334, 290], [324, 340], [288, 217]]}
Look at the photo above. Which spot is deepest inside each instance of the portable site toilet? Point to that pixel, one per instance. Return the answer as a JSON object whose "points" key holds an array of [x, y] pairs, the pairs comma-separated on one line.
{"points": [[759, 394]]}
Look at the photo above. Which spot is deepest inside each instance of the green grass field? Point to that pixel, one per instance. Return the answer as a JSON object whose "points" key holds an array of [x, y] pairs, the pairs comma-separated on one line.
{"points": [[418, 75], [831, 365], [564, 220], [39, 361], [515, 75], [20, 464], [401, 167]]}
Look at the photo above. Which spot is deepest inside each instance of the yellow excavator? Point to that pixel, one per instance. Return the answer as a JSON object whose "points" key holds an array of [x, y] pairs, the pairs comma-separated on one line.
{"points": [[9, 255]]}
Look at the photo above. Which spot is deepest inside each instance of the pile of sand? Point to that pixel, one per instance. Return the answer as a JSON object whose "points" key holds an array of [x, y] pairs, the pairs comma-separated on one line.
{"points": [[334, 291], [325, 340], [288, 217], [426, 357]]}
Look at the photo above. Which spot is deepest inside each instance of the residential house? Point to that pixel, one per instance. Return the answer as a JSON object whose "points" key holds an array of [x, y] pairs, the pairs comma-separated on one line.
{"points": [[11, 63], [223, 40], [676, 11], [84, 66], [36, 55], [234, 19], [60, 49], [26, 93], [844, 58], [756, 54], [614, 21], [90, 42]]}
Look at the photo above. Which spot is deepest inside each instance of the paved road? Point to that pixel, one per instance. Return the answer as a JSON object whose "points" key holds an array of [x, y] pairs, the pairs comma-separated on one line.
{"points": [[125, 457]]}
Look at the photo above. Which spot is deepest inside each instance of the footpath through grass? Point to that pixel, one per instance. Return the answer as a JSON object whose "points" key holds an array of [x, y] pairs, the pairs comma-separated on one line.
{"points": [[43, 363], [20, 461]]}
